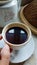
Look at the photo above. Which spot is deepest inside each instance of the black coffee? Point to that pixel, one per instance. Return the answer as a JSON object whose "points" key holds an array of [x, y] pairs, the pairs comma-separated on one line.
{"points": [[16, 35]]}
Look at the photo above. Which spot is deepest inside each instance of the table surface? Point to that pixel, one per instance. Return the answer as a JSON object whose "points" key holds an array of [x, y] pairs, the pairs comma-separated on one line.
{"points": [[33, 59]]}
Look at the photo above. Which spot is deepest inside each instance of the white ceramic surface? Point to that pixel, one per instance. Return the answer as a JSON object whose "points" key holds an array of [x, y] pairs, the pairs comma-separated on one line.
{"points": [[23, 54]]}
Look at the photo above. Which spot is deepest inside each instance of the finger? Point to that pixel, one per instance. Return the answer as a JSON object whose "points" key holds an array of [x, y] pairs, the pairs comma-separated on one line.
{"points": [[5, 55]]}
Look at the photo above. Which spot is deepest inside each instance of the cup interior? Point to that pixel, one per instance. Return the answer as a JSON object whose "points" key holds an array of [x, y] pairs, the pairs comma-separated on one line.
{"points": [[21, 25]]}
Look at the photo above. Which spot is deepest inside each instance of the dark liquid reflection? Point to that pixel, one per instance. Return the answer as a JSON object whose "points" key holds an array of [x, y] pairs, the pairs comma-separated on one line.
{"points": [[16, 35]]}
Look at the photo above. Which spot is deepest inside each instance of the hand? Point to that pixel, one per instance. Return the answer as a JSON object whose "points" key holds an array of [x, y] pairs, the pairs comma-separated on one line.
{"points": [[5, 55]]}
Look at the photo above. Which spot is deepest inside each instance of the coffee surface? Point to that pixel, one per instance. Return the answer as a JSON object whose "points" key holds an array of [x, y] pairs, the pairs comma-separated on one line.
{"points": [[16, 35]]}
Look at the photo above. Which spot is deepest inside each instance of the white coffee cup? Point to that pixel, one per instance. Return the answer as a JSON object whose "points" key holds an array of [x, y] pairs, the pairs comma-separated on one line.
{"points": [[16, 47], [17, 24]]}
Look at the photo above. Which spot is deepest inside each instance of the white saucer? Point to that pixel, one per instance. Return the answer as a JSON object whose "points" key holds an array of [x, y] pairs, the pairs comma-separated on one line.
{"points": [[24, 53]]}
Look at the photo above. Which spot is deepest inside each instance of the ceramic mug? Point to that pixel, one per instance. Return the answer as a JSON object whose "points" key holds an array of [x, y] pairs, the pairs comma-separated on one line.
{"points": [[17, 24], [8, 13], [15, 47]]}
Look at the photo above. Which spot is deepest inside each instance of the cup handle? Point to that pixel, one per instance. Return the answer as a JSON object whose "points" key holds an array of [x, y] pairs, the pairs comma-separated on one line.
{"points": [[1, 37]]}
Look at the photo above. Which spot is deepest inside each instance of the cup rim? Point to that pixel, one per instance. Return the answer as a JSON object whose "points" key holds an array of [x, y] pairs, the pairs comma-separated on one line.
{"points": [[16, 23]]}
